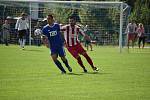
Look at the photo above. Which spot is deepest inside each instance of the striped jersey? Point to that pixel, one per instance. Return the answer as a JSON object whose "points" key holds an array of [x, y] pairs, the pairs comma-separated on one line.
{"points": [[71, 34]]}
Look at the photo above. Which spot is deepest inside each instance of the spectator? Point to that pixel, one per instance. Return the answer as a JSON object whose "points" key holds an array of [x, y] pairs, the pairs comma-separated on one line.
{"points": [[131, 33], [140, 30], [6, 32], [37, 34]]}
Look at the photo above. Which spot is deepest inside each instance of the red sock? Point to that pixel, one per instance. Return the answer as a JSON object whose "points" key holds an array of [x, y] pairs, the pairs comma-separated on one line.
{"points": [[88, 60], [80, 62]]}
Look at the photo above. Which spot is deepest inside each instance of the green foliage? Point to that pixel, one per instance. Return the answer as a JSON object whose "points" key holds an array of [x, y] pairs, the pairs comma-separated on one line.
{"points": [[141, 12]]}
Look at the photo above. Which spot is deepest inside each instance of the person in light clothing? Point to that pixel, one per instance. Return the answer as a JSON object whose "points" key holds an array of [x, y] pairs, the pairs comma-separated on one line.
{"points": [[141, 38], [6, 32], [22, 26], [131, 33]]}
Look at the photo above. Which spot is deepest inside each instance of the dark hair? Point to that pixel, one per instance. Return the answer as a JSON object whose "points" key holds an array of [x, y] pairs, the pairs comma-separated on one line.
{"points": [[72, 17], [50, 15], [23, 14]]}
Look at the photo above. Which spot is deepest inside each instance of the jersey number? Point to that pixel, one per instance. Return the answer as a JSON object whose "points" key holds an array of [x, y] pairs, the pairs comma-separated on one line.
{"points": [[53, 33]]}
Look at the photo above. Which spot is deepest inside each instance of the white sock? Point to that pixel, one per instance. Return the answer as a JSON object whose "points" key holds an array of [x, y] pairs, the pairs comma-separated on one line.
{"points": [[20, 42], [23, 44]]}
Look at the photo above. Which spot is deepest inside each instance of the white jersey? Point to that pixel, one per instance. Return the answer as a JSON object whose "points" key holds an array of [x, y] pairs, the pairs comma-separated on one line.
{"points": [[131, 28], [22, 24]]}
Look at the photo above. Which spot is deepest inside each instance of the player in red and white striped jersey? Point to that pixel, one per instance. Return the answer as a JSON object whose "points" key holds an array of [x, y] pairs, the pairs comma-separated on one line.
{"points": [[71, 32]]}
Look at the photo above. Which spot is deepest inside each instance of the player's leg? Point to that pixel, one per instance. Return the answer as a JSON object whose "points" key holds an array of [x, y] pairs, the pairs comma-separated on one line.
{"points": [[54, 56], [62, 54], [24, 38], [139, 42], [143, 40], [128, 40], [20, 36], [89, 60], [65, 61], [133, 39], [87, 47], [75, 54], [57, 62], [81, 51], [91, 46]]}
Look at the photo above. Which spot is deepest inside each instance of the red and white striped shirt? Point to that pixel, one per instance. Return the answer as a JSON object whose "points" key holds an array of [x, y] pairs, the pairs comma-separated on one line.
{"points": [[71, 34]]}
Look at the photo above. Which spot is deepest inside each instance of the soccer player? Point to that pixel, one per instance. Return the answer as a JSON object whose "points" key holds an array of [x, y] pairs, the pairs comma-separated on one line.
{"points": [[22, 26], [88, 41], [52, 32], [131, 33], [73, 45]]}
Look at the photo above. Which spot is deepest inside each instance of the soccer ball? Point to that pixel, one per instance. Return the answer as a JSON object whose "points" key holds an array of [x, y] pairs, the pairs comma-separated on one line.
{"points": [[37, 32]]}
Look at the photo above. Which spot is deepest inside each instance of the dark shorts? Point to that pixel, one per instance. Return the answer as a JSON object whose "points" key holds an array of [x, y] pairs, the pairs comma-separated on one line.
{"points": [[22, 34], [87, 42], [58, 50]]}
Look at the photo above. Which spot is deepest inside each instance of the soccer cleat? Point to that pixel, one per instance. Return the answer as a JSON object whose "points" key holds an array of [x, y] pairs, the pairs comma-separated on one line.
{"points": [[95, 69], [85, 71], [22, 48], [70, 69], [63, 72]]}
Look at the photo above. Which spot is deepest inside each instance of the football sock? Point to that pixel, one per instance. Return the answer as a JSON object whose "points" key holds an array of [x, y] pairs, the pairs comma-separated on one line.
{"points": [[23, 42], [80, 62], [59, 66], [66, 63], [89, 60], [20, 42]]}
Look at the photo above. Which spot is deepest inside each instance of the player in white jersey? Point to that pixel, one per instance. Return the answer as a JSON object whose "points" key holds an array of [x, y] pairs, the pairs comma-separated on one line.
{"points": [[22, 26]]}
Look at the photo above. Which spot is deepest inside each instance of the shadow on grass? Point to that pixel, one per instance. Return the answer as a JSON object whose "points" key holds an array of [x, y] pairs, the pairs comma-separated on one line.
{"points": [[73, 74], [97, 73], [34, 50], [92, 73]]}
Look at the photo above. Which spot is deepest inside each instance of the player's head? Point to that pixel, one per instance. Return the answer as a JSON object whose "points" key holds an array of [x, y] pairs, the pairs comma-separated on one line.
{"points": [[140, 25], [6, 21], [23, 15], [72, 20], [50, 19]]}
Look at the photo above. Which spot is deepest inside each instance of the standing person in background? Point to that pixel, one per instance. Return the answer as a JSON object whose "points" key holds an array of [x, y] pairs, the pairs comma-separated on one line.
{"points": [[88, 41], [131, 33], [141, 38], [22, 27], [37, 34], [6, 32]]}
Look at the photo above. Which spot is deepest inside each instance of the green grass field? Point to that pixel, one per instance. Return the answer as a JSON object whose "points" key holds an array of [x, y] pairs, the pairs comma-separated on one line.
{"points": [[30, 74]]}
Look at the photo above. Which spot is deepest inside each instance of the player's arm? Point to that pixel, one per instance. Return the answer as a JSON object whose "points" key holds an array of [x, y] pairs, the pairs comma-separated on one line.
{"points": [[45, 38], [45, 41], [62, 28], [17, 24], [83, 34]]}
